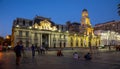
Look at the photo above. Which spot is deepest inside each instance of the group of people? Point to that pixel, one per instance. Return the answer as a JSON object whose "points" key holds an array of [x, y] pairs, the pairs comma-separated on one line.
{"points": [[19, 49], [41, 50], [87, 56], [59, 53]]}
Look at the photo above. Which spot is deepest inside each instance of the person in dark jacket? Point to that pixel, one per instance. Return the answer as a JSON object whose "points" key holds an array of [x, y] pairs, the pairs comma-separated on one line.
{"points": [[18, 49], [88, 56], [33, 51]]}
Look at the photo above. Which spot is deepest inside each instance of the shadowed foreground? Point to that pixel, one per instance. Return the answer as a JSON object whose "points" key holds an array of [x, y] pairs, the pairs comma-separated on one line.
{"points": [[106, 60]]}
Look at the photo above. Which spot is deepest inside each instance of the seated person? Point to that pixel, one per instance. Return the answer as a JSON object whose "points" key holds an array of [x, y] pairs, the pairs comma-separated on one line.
{"points": [[75, 55], [59, 53], [88, 56]]}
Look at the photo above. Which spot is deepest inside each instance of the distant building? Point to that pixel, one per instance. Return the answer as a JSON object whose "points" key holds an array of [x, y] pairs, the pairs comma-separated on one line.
{"points": [[73, 27], [42, 31], [109, 32]]}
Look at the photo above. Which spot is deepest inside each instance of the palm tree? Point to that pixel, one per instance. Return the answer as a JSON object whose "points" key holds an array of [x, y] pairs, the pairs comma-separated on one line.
{"points": [[119, 9]]}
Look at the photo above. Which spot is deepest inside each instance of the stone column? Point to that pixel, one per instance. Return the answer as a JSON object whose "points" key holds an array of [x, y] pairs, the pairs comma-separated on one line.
{"points": [[56, 42], [41, 39], [68, 41], [32, 38], [65, 41], [49, 40]]}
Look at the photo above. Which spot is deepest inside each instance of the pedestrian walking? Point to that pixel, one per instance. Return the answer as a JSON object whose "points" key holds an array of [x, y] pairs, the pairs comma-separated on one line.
{"points": [[18, 49], [38, 50], [42, 50], [33, 51]]}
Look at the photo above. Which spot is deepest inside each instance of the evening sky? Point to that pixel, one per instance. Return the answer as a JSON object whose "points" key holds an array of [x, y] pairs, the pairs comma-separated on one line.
{"points": [[60, 11]]}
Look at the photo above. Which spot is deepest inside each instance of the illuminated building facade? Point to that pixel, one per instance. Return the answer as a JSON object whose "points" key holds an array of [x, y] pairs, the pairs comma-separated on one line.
{"points": [[42, 31], [86, 31], [109, 32]]}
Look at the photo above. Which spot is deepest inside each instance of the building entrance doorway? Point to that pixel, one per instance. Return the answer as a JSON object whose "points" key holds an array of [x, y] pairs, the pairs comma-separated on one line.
{"points": [[45, 40]]}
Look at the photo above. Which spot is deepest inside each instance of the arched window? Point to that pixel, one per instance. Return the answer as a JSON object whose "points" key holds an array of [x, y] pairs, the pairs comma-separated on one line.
{"points": [[81, 42], [71, 42], [76, 43]]}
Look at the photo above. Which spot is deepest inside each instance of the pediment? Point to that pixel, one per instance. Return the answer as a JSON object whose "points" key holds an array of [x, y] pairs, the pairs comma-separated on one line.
{"points": [[45, 25]]}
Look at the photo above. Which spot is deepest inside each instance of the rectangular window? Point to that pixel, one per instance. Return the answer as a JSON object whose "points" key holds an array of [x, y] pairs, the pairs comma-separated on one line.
{"points": [[20, 33], [30, 23], [23, 22], [35, 35], [27, 33], [62, 27]]}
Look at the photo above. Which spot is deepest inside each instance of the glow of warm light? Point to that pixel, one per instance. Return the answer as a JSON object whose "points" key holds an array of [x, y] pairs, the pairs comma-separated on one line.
{"points": [[30, 27], [17, 25], [62, 37], [87, 21], [54, 28], [1, 55], [7, 37], [59, 30], [35, 25], [110, 37], [45, 25], [66, 31], [85, 14]]}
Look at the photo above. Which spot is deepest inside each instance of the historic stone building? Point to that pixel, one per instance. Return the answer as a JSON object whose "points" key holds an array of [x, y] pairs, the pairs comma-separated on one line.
{"points": [[109, 32], [42, 31], [108, 26]]}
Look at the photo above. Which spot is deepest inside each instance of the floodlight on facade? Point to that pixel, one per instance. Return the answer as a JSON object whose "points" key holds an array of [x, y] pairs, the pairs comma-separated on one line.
{"points": [[17, 26]]}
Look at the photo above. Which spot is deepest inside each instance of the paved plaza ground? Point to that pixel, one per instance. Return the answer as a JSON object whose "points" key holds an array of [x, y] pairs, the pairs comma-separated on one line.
{"points": [[101, 60]]}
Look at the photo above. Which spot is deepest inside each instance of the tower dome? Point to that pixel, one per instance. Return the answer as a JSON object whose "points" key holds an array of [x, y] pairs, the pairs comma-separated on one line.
{"points": [[84, 10], [84, 13], [85, 18]]}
